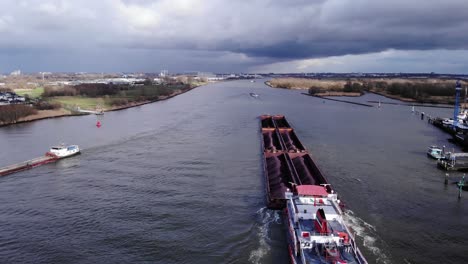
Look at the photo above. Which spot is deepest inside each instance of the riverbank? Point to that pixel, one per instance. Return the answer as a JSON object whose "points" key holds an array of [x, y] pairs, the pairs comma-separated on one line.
{"points": [[63, 112], [330, 88], [441, 100], [428, 91], [338, 94]]}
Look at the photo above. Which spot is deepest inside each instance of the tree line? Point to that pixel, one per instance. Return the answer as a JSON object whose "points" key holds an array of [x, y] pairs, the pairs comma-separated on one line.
{"points": [[12, 113], [120, 94], [416, 90], [413, 90], [88, 89]]}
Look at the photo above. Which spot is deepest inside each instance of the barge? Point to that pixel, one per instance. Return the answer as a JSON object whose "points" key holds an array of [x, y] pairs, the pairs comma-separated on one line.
{"points": [[287, 162], [317, 232], [55, 153]]}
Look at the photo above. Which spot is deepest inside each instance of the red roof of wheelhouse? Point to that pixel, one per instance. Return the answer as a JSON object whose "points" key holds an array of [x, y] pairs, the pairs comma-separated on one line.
{"points": [[311, 190]]}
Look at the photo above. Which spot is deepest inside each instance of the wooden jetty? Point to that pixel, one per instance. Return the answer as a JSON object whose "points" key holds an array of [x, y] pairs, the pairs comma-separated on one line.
{"points": [[98, 111], [454, 161]]}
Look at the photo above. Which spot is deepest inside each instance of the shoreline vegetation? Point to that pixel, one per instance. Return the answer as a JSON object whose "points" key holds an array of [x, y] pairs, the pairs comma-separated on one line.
{"points": [[428, 90], [52, 102]]}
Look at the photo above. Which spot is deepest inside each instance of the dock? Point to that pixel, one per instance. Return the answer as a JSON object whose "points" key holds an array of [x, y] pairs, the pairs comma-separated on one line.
{"points": [[454, 161], [29, 164], [90, 112], [287, 163]]}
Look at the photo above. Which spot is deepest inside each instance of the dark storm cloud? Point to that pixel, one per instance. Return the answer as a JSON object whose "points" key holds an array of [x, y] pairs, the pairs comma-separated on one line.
{"points": [[356, 27], [265, 30]]}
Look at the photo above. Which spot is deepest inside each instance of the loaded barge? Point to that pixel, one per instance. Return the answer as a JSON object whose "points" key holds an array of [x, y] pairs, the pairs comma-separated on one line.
{"points": [[317, 232], [287, 163], [54, 154]]}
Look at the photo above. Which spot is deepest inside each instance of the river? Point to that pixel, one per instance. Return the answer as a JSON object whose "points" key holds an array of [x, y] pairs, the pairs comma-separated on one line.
{"points": [[181, 181]]}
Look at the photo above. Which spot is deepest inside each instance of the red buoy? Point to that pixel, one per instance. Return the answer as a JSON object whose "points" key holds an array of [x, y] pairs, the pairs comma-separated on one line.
{"points": [[98, 124]]}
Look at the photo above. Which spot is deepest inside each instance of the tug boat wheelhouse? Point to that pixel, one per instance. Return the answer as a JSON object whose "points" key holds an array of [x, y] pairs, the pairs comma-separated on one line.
{"points": [[63, 151], [316, 229]]}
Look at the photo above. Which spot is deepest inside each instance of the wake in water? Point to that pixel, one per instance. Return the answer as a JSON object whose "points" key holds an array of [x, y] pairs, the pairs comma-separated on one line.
{"points": [[267, 218], [367, 233]]}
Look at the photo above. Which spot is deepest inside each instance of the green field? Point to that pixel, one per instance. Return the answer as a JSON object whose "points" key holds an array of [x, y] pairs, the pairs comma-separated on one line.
{"points": [[88, 103], [33, 93], [118, 98]]}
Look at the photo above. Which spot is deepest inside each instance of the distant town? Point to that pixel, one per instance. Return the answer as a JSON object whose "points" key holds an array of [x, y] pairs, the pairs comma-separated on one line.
{"points": [[19, 80]]}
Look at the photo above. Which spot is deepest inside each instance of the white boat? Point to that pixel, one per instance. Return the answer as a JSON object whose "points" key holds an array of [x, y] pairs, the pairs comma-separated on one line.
{"points": [[462, 119], [63, 151], [435, 152], [317, 232], [463, 115], [253, 95], [447, 121], [461, 124]]}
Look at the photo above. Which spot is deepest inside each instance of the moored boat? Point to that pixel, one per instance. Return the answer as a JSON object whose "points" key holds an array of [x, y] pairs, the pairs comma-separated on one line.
{"points": [[317, 232], [435, 152]]}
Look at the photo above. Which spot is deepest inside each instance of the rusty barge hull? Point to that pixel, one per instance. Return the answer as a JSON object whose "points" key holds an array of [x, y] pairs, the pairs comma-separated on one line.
{"points": [[287, 163], [26, 165]]}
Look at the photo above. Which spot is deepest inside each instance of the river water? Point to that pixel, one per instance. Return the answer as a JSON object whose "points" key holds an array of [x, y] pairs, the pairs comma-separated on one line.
{"points": [[181, 181]]}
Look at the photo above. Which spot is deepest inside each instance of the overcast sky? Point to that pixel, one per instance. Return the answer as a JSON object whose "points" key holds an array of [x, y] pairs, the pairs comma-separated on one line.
{"points": [[234, 36]]}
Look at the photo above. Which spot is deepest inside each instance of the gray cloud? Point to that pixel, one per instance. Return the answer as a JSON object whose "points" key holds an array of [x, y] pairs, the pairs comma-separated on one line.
{"points": [[268, 31]]}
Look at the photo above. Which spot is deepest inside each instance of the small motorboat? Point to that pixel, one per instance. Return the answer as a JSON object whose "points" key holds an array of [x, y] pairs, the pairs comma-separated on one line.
{"points": [[435, 152], [63, 151], [447, 121], [253, 95]]}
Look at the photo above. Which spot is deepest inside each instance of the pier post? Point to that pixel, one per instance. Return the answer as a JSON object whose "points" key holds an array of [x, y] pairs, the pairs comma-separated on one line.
{"points": [[460, 184], [422, 115], [456, 108], [446, 178]]}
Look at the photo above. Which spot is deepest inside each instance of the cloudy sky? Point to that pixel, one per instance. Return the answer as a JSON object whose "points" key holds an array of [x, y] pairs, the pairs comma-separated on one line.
{"points": [[234, 35]]}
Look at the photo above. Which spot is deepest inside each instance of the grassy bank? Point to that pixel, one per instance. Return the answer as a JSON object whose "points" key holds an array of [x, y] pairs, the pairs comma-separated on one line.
{"points": [[83, 102], [318, 87], [32, 93], [122, 98], [305, 84]]}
